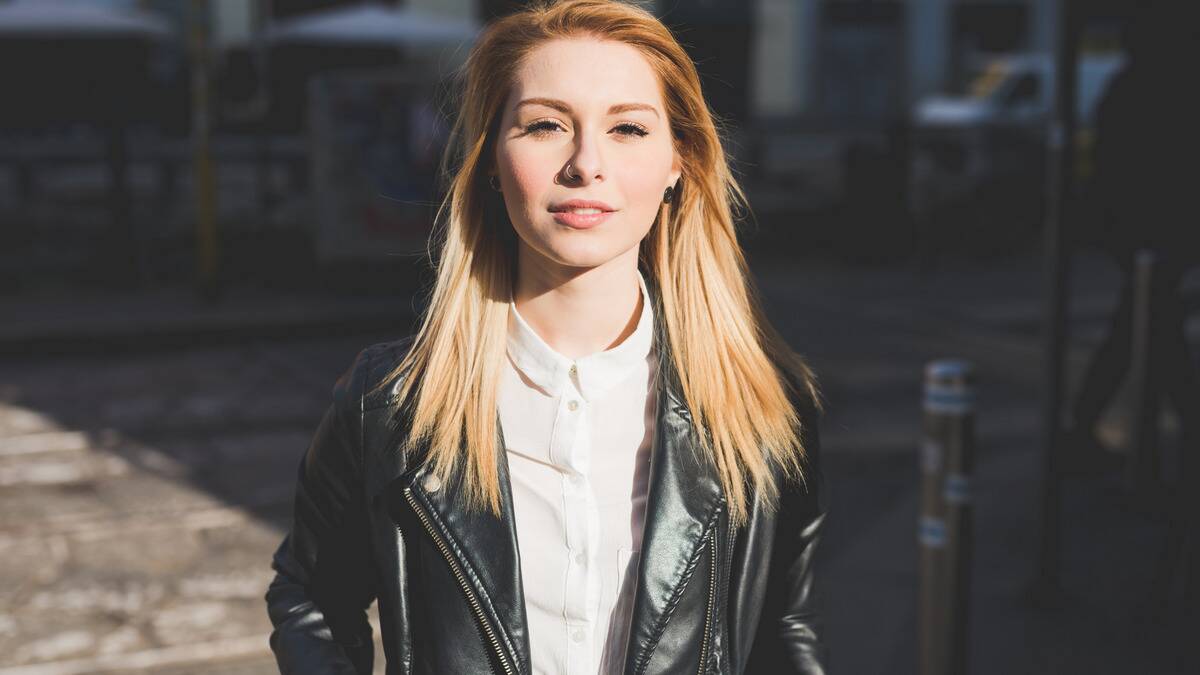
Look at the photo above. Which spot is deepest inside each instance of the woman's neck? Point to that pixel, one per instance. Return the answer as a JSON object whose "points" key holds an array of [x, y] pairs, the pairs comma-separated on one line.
{"points": [[579, 311]]}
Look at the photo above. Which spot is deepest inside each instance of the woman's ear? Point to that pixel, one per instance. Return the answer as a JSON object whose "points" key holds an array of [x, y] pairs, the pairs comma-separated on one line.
{"points": [[676, 171]]}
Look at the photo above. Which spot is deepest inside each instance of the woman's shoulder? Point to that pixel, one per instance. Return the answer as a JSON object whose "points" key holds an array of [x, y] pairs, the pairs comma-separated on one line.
{"points": [[372, 379]]}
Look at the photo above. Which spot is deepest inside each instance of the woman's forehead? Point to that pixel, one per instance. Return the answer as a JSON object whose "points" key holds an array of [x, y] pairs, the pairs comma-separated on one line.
{"points": [[588, 75]]}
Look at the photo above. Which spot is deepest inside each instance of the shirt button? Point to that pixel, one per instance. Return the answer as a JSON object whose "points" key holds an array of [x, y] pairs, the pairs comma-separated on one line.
{"points": [[574, 370], [572, 405], [579, 558], [577, 635], [576, 480]]}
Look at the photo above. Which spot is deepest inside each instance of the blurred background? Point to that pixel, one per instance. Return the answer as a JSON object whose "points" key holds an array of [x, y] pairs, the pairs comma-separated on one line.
{"points": [[972, 216]]}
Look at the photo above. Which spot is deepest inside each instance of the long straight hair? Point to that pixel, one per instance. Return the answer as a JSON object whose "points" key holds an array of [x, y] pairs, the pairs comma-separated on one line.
{"points": [[738, 377]]}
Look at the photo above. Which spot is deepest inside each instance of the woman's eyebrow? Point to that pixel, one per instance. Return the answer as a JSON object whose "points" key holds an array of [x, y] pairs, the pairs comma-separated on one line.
{"points": [[562, 107]]}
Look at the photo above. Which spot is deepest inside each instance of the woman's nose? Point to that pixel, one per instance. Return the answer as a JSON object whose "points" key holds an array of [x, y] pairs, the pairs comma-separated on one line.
{"points": [[586, 163]]}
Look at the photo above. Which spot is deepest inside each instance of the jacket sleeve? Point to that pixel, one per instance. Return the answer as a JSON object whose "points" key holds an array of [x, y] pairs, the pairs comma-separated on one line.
{"points": [[323, 585], [790, 635]]}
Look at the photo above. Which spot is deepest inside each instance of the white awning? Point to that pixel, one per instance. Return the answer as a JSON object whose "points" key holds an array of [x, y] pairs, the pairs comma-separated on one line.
{"points": [[370, 24], [56, 19]]}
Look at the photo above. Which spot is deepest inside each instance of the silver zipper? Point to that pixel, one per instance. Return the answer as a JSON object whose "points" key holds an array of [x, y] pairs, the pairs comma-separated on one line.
{"points": [[712, 596], [462, 581], [732, 541], [725, 578]]}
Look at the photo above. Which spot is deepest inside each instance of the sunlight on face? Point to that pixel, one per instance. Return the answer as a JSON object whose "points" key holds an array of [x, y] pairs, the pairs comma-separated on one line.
{"points": [[600, 110]]}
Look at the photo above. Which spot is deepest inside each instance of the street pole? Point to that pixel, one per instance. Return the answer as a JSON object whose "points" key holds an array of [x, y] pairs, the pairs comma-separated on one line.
{"points": [[1060, 165], [207, 282], [1143, 461]]}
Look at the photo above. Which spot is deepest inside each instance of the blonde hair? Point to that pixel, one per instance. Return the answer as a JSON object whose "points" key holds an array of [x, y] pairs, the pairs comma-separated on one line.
{"points": [[737, 374]]}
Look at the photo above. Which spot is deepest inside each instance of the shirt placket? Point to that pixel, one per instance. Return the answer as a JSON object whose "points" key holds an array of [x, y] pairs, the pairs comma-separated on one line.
{"points": [[571, 450]]}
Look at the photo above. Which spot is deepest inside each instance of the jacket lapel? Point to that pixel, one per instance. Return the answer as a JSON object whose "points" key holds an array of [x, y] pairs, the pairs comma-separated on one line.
{"points": [[486, 548], [684, 490]]}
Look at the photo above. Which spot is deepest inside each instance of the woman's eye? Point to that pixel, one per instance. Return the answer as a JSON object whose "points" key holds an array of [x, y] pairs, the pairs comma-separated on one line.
{"points": [[632, 129], [539, 128]]}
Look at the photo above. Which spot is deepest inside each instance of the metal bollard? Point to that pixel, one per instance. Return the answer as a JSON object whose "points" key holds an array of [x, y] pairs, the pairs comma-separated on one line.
{"points": [[944, 529]]}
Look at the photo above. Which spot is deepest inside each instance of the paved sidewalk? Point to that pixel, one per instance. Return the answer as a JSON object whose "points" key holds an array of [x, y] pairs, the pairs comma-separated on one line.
{"points": [[141, 498]]}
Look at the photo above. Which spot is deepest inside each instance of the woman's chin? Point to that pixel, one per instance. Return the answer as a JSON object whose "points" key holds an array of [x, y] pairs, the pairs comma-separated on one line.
{"points": [[582, 254], [579, 249]]}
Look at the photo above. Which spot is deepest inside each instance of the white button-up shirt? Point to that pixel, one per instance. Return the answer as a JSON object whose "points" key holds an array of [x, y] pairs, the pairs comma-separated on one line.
{"points": [[578, 434]]}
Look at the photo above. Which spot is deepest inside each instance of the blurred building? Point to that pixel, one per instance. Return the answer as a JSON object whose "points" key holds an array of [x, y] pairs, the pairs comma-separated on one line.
{"points": [[815, 98], [869, 60]]}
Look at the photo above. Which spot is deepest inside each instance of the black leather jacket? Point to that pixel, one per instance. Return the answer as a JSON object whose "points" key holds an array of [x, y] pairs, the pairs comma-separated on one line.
{"points": [[367, 526]]}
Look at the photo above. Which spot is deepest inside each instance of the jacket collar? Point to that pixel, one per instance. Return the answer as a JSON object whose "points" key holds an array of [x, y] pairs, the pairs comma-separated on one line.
{"points": [[684, 489]]}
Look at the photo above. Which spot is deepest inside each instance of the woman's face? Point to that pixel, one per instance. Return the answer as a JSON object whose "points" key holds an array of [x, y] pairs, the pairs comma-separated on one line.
{"points": [[585, 121]]}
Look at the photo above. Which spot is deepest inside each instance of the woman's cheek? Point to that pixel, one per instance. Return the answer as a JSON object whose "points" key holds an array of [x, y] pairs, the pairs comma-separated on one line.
{"points": [[642, 187], [523, 173]]}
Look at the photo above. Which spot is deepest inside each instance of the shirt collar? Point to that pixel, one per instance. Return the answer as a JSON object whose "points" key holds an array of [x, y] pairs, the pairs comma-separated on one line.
{"points": [[595, 373]]}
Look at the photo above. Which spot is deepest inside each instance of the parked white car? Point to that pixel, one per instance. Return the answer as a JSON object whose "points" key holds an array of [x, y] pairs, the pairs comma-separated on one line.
{"points": [[978, 158]]}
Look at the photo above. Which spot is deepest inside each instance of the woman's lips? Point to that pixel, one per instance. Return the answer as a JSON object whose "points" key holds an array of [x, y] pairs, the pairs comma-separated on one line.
{"points": [[581, 221]]}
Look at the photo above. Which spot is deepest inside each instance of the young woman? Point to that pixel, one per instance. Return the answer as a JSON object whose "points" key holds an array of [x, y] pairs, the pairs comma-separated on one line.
{"points": [[595, 455]]}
